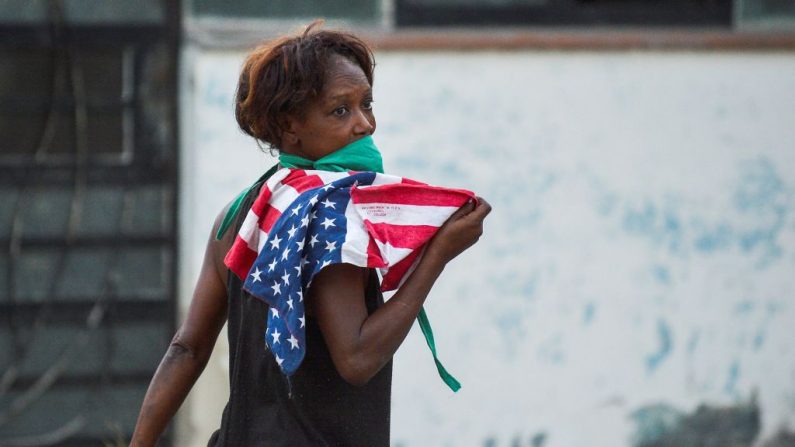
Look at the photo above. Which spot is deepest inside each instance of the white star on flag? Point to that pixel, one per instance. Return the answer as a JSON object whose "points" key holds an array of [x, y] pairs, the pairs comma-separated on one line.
{"points": [[275, 242], [293, 341], [256, 275]]}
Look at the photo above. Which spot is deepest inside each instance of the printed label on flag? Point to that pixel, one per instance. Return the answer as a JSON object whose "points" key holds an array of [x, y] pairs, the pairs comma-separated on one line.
{"points": [[379, 211]]}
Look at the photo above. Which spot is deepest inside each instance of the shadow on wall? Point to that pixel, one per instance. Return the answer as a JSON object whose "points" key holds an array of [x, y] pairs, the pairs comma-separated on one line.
{"points": [[661, 425]]}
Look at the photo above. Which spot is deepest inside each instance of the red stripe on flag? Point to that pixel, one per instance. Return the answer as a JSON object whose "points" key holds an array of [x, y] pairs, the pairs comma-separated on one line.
{"points": [[401, 236], [406, 194], [374, 259], [270, 217], [300, 181], [409, 181], [294, 174], [240, 258], [262, 200], [397, 272]]}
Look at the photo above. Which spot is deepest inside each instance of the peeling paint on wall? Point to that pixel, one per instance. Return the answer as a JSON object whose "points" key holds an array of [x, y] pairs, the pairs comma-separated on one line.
{"points": [[654, 360]]}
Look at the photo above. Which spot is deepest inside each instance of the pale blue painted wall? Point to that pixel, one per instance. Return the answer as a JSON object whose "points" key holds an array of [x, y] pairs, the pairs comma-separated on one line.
{"points": [[641, 250]]}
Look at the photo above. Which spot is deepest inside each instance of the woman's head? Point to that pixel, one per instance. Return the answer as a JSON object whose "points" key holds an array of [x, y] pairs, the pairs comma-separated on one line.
{"points": [[307, 94]]}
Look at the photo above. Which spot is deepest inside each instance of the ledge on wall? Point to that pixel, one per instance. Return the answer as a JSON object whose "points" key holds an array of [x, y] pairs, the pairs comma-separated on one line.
{"points": [[240, 34], [607, 39]]}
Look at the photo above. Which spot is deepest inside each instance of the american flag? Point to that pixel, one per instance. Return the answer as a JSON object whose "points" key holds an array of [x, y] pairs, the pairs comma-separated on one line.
{"points": [[304, 220]]}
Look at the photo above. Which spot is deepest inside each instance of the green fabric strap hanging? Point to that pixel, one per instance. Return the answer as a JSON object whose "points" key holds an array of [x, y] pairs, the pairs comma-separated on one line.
{"points": [[425, 325]]}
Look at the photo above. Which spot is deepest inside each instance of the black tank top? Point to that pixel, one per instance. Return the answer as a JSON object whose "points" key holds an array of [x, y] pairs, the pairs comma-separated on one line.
{"points": [[317, 407]]}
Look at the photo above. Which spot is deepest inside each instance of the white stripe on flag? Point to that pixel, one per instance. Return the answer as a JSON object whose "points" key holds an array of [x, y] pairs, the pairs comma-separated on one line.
{"points": [[327, 176], [354, 249], [276, 178], [283, 197], [248, 231], [263, 238], [385, 179], [392, 255], [397, 214]]}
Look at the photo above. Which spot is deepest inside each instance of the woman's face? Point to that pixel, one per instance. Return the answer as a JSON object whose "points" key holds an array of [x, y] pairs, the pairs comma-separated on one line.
{"points": [[342, 113]]}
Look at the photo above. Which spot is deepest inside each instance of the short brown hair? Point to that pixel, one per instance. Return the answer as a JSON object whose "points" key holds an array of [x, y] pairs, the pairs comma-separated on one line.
{"points": [[280, 78]]}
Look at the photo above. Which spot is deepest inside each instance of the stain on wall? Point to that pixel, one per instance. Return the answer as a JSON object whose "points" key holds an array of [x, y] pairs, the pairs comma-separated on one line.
{"points": [[660, 425]]}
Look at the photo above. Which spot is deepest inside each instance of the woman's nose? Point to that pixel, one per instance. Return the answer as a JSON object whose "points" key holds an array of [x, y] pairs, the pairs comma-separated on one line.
{"points": [[363, 124]]}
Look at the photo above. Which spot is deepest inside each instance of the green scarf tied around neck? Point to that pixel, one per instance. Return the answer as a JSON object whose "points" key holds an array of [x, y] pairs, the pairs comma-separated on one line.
{"points": [[361, 155]]}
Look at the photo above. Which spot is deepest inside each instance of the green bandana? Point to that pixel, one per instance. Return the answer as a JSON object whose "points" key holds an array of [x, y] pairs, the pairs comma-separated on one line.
{"points": [[361, 155]]}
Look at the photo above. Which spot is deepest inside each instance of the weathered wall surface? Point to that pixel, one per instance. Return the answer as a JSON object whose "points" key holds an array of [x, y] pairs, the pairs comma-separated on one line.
{"points": [[635, 284]]}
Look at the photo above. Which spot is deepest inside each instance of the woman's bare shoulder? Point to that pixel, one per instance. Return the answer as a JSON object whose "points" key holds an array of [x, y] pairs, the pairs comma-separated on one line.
{"points": [[220, 246]]}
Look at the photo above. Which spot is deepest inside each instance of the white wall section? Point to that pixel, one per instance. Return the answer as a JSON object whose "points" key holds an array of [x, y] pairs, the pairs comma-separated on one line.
{"points": [[639, 260]]}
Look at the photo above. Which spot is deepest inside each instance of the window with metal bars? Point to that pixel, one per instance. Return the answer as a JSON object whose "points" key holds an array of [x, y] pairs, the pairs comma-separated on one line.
{"points": [[88, 163]]}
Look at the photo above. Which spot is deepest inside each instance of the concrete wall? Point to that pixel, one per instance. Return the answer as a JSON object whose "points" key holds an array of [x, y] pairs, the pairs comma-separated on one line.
{"points": [[634, 285]]}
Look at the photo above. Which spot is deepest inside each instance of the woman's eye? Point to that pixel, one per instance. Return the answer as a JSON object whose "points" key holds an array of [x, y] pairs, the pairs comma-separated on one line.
{"points": [[340, 111], [368, 105]]}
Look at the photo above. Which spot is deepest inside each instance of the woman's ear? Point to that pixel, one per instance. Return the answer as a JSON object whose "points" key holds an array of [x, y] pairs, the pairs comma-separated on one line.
{"points": [[289, 136]]}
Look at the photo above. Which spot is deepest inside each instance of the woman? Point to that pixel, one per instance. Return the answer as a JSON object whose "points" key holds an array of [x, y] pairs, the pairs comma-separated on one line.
{"points": [[306, 96]]}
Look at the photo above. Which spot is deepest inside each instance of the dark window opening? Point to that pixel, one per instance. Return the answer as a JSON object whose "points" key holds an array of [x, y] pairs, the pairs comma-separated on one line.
{"points": [[563, 12], [88, 185]]}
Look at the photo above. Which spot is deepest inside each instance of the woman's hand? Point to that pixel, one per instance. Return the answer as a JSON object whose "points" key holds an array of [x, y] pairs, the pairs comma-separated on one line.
{"points": [[460, 232]]}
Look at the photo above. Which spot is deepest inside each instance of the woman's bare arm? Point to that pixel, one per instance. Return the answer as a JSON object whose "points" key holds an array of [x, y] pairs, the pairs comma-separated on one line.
{"points": [[190, 349], [360, 345]]}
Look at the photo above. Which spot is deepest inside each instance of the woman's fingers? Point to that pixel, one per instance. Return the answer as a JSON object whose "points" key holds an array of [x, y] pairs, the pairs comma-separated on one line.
{"points": [[462, 229], [483, 209], [480, 211], [463, 211]]}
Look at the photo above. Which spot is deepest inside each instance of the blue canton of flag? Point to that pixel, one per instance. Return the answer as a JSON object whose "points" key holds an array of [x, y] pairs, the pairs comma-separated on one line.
{"points": [[306, 238]]}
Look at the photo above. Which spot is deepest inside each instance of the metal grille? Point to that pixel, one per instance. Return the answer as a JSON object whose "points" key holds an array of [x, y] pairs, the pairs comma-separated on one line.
{"points": [[87, 224]]}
